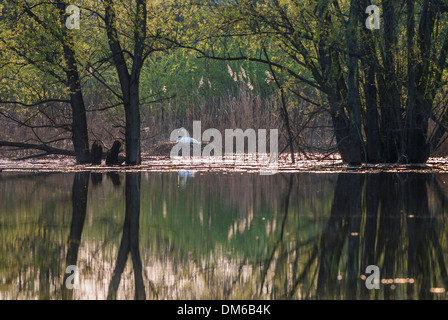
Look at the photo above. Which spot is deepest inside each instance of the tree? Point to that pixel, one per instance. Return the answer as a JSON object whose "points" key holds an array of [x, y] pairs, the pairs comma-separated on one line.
{"points": [[132, 36], [80, 59], [129, 78], [35, 35], [382, 87]]}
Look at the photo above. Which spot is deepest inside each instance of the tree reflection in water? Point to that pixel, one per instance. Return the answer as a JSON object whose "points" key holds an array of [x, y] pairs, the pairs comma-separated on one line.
{"points": [[288, 236], [384, 220], [129, 241], [79, 207]]}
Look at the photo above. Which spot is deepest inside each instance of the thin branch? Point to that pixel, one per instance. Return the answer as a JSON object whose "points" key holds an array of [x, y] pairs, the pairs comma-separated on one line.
{"points": [[36, 103]]}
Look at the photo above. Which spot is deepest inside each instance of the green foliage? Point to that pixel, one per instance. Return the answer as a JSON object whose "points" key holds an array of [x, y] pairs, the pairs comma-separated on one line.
{"points": [[187, 80], [32, 64], [306, 47]]}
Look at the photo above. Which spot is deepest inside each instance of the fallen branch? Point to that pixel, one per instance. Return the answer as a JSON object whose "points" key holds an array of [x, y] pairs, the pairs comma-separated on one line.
{"points": [[43, 147], [52, 150]]}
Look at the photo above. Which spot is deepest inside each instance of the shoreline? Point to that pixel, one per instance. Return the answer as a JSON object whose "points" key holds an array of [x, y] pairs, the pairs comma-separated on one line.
{"points": [[165, 164]]}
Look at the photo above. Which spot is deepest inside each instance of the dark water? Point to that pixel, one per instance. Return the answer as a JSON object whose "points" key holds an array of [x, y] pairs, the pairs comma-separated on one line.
{"points": [[223, 236]]}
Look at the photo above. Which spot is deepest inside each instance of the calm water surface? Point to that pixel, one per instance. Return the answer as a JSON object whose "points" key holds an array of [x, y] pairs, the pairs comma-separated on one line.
{"points": [[223, 236]]}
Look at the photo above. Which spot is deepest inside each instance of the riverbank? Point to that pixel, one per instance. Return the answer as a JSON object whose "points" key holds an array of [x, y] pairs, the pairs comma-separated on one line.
{"points": [[165, 164]]}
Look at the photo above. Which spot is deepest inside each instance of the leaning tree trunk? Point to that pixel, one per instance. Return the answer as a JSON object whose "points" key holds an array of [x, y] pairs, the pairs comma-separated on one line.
{"points": [[79, 127], [80, 136]]}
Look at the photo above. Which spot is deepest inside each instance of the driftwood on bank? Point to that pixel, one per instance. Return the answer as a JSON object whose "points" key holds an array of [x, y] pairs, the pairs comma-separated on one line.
{"points": [[112, 156], [43, 147]]}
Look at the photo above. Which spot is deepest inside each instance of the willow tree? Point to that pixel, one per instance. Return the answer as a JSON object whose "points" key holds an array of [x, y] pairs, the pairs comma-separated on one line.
{"points": [[111, 33], [382, 87], [35, 40], [131, 34], [129, 75]]}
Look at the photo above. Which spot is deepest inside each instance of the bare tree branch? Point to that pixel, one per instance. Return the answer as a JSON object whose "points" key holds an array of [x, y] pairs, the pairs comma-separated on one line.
{"points": [[43, 147]]}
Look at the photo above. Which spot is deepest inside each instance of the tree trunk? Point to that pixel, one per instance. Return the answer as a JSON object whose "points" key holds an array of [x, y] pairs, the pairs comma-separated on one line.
{"points": [[420, 94], [411, 121], [129, 81], [79, 127], [353, 98], [372, 130], [79, 120], [388, 91], [374, 146], [132, 112], [341, 131], [333, 84]]}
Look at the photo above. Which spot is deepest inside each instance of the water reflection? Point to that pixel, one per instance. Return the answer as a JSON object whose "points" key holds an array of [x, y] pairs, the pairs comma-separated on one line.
{"points": [[129, 240], [184, 176], [97, 178], [79, 207], [223, 236]]}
